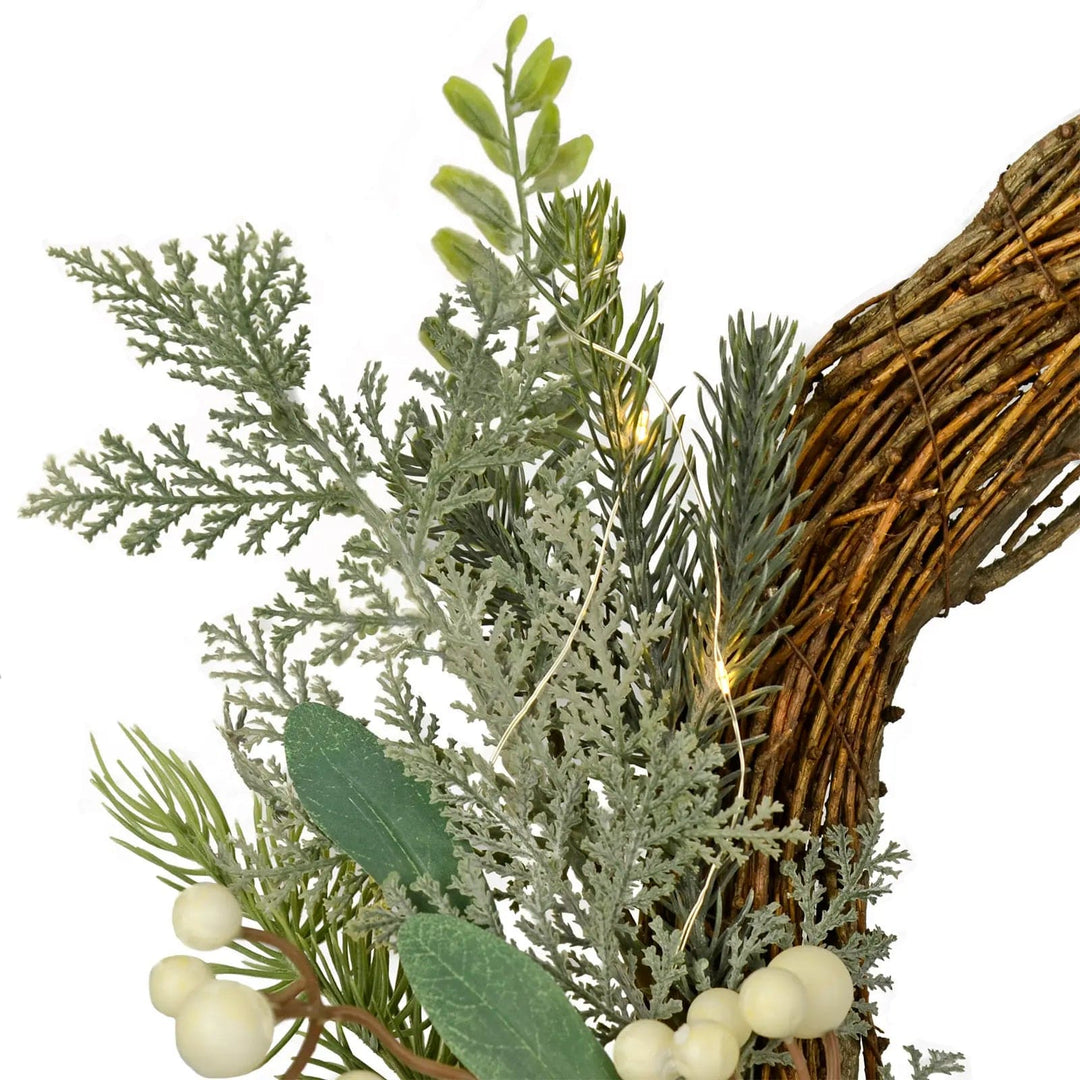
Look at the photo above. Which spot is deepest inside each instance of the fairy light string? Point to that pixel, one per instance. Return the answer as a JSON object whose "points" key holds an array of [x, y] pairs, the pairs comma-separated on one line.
{"points": [[639, 434]]}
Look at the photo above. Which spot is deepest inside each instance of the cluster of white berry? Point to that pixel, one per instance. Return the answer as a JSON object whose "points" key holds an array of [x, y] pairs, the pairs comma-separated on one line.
{"points": [[223, 1028], [804, 993]]}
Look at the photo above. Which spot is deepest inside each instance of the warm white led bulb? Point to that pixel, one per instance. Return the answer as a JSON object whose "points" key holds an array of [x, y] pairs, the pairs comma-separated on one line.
{"points": [[174, 979], [703, 1050], [721, 1006], [829, 989], [773, 1002], [224, 1029], [642, 1051], [206, 916]]}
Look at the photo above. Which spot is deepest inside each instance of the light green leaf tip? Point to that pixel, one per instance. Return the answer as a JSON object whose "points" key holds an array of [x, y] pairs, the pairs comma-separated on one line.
{"points": [[516, 33], [534, 71], [543, 142], [569, 164]]}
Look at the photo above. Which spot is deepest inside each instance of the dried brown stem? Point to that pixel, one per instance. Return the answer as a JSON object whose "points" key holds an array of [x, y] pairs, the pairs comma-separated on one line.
{"points": [[318, 1014], [832, 1056], [797, 1059]]}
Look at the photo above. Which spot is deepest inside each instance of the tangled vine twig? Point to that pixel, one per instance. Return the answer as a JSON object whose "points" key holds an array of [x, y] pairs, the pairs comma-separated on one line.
{"points": [[943, 428], [288, 1006]]}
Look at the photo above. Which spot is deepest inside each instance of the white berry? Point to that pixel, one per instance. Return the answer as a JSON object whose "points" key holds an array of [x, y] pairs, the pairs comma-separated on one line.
{"points": [[703, 1050], [828, 985], [174, 979], [642, 1051], [721, 1006], [773, 1002], [224, 1029], [206, 916]]}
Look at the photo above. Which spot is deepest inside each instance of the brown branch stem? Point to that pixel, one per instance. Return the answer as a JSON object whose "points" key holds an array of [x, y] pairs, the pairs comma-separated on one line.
{"points": [[319, 1014], [798, 1061], [832, 1055]]}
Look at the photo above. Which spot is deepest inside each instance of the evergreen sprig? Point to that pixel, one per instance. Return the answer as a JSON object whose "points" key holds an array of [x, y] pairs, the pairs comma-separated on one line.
{"points": [[751, 450], [481, 512]]}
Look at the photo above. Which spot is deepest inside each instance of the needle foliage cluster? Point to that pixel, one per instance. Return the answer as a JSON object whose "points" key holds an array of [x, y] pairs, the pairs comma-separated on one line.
{"points": [[534, 499]]}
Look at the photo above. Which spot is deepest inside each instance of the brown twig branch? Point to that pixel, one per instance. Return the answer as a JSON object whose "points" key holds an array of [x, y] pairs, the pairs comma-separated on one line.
{"points": [[832, 1056], [318, 1014], [938, 416], [798, 1061], [1000, 572]]}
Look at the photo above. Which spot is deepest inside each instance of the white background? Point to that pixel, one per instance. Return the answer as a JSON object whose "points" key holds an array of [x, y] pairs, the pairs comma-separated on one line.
{"points": [[780, 158]]}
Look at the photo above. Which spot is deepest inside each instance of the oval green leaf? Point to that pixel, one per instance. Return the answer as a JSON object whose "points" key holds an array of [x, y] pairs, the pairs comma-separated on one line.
{"points": [[497, 1009], [475, 108], [478, 197], [568, 165], [515, 34], [552, 84], [534, 71], [498, 155], [543, 142], [362, 800], [461, 254]]}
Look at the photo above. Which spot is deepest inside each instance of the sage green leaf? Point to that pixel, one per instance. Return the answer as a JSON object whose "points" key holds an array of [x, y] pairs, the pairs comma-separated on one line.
{"points": [[364, 801], [515, 34], [533, 71], [497, 1009], [543, 142], [568, 165], [478, 197], [552, 84], [475, 108], [498, 155]]}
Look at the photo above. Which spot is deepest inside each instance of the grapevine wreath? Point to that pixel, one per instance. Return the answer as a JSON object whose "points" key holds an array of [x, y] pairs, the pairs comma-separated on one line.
{"points": [[651, 853]]}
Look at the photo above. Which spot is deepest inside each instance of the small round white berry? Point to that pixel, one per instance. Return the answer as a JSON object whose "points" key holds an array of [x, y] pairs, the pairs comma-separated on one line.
{"points": [[642, 1051], [224, 1029], [773, 1002], [703, 1050], [721, 1006], [174, 979], [206, 916], [828, 985]]}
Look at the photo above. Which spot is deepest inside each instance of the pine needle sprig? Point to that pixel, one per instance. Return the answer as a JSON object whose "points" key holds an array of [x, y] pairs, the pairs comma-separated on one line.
{"points": [[612, 364], [750, 456]]}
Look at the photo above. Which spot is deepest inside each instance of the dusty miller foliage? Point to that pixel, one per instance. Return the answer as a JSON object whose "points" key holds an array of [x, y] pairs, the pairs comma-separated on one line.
{"points": [[479, 507]]}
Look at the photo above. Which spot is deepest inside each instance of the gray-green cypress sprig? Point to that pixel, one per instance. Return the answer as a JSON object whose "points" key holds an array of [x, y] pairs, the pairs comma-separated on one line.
{"points": [[235, 336], [937, 1063], [601, 808], [860, 868]]}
